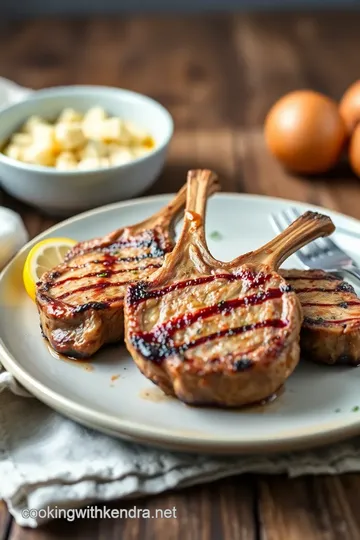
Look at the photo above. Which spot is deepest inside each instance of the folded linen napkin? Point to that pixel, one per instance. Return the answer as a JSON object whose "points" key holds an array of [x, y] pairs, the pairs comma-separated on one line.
{"points": [[47, 460], [13, 234]]}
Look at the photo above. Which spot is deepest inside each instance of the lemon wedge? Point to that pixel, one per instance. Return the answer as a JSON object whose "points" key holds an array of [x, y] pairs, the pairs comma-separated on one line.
{"points": [[41, 258]]}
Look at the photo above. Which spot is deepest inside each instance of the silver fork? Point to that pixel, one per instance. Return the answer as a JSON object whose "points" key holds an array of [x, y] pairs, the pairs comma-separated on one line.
{"points": [[322, 253]]}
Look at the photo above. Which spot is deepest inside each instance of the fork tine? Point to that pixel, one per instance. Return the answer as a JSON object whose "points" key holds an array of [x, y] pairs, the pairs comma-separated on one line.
{"points": [[274, 219], [321, 243], [282, 220], [323, 253], [294, 213], [311, 249], [289, 215]]}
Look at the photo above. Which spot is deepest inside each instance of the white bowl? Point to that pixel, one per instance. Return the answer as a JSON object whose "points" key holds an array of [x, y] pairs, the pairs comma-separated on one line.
{"points": [[66, 192]]}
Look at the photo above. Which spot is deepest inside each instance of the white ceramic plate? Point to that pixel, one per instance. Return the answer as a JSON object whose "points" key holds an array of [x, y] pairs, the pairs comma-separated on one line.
{"points": [[112, 396]]}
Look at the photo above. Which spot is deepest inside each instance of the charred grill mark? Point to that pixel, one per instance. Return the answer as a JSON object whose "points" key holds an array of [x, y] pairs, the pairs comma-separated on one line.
{"points": [[91, 305], [341, 287], [149, 239], [137, 293], [140, 292], [321, 321], [157, 351], [111, 260], [348, 360], [343, 305], [166, 330], [156, 244], [101, 274], [315, 289], [325, 277], [54, 275], [345, 287], [314, 321], [58, 309], [99, 286], [243, 364], [253, 278]]}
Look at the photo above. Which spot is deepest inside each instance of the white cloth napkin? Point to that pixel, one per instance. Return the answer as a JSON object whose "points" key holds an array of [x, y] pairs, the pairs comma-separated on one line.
{"points": [[47, 460], [11, 92], [13, 234]]}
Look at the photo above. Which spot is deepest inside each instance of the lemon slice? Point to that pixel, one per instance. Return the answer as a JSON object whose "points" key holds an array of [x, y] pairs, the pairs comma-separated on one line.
{"points": [[41, 258]]}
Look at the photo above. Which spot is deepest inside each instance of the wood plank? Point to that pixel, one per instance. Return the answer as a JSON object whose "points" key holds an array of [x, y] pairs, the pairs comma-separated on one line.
{"points": [[262, 174], [316, 508], [210, 148], [287, 51], [348, 487], [268, 60], [186, 65], [220, 510], [5, 521]]}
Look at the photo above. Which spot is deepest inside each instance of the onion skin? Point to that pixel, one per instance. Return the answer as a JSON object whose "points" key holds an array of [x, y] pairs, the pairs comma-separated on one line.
{"points": [[305, 132], [354, 151], [350, 107]]}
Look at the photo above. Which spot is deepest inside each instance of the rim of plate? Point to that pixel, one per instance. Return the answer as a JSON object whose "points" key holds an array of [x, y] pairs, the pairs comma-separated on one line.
{"points": [[280, 440]]}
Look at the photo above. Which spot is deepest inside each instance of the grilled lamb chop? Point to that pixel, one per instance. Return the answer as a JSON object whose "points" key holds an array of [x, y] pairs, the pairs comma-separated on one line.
{"points": [[81, 301], [330, 332], [216, 333]]}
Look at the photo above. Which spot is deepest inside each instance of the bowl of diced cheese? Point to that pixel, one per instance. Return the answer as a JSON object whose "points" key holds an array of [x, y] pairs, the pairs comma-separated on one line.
{"points": [[66, 149]]}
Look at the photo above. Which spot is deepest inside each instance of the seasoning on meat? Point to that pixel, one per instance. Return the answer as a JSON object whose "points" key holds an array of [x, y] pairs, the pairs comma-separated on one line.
{"points": [[81, 301], [330, 332], [216, 333]]}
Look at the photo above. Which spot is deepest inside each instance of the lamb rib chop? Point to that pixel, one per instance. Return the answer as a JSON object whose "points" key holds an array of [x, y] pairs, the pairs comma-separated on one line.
{"points": [[81, 301], [330, 332], [218, 333]]}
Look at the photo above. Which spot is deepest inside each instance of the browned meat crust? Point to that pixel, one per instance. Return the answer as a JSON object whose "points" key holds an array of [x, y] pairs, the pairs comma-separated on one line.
{"points": [[229, 339], [81, 301], [218, 333], [331, 328]]}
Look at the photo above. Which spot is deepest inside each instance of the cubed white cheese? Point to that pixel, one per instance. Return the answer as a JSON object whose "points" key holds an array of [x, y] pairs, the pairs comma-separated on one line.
{"points": [[113, 130], [68, 116], [89, 163], [66, 161], [94, 149], [39, 155], [21, 139], [92, 122], [121, 157], [14, 152], [32, 122], [44, 137], [136, 134], [69, 136]]}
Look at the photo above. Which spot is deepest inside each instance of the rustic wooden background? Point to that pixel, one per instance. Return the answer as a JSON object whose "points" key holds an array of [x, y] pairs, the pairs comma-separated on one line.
{"points": [[218, 75]]}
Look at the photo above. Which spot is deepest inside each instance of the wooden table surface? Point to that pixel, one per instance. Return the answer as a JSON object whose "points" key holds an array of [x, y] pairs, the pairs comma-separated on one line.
{"points": [[218, 75]]}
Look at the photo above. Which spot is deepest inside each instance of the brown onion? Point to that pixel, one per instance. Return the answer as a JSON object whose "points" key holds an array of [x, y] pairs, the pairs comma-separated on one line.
{"points": [[350, 107], [354, 151], [305, 132]]}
